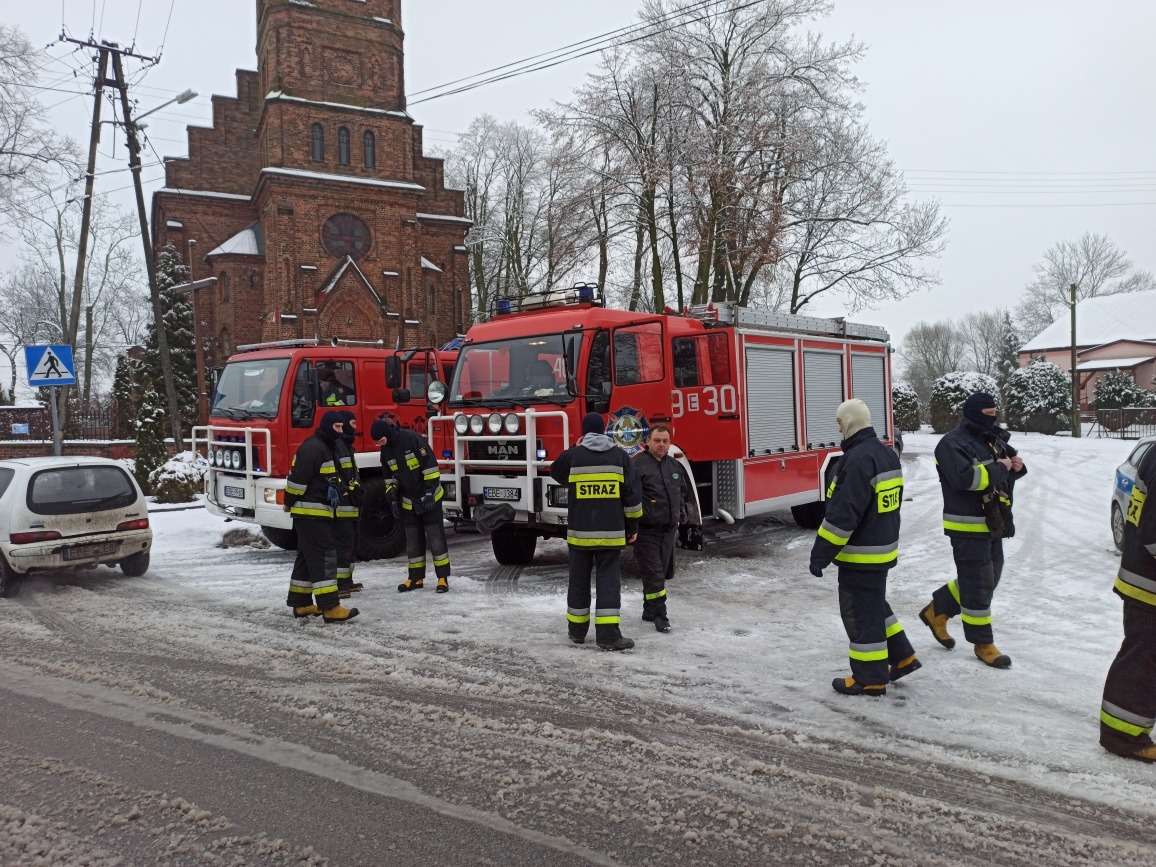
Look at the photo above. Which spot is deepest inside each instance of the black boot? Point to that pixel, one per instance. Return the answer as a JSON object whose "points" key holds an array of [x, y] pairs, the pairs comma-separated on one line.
{"points": [[661, 624], [648, 612], [612, 639]]}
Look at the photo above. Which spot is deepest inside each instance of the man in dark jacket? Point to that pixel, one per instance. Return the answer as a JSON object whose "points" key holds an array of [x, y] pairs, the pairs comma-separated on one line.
{"points": [[1128, 712], [663, 492], [408, 458], [975, 465], [311, 496], [861, 534], [348, 513], [603, 507]]}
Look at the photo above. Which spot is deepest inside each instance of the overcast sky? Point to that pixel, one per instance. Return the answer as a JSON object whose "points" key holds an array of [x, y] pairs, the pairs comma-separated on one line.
{"points": [[1032, 122]]}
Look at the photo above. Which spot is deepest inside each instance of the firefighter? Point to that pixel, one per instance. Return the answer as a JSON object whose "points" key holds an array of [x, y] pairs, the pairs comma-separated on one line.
{"points": [[334, 392], [663, 486], [1128, 712], [976, 465], [603, 507], [311, 497], [417, 484], [348, 512], [861, 534]]}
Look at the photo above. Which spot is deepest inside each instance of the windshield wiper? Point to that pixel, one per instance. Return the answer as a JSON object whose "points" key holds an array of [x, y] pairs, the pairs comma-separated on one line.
{"points": [[232, 412], [483, 401]]}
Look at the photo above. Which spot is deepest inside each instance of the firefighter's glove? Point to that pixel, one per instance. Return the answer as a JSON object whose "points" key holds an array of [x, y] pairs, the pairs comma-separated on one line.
{"points": [[333, 496], [428, 502], [816, 568]]}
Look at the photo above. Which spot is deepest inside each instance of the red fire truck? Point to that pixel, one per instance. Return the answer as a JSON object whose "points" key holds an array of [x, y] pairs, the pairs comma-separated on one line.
{"points": [[268, 400], [751, 397]]}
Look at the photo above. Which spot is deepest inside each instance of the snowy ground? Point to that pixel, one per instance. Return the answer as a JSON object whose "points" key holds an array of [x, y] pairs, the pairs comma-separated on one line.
{"points": [[721, 742]]}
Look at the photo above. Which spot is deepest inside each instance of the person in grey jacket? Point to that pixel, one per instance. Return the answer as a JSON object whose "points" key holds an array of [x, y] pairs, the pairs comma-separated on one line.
{"points": [[663, 494]]}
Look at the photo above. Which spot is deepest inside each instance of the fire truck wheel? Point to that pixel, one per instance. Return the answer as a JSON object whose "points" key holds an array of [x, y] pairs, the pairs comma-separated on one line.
{"points": [[514, 546], [379, 534], [284, 539], [809, 516]]}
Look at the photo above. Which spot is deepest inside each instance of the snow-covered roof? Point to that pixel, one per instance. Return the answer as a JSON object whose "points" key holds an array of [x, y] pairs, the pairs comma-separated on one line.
{"points": [[250, 241], [332, 282], [430, 266], [1100, 320], [1115, 363], [444, 218], [209, 194], [277, 95]]}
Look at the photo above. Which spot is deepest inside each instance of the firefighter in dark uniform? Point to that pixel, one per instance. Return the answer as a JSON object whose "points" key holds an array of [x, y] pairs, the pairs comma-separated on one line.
{"points": [[861, 534], [975, 465], [407, 456], [663, 484], [603, 507], [1128, 712], [311, 497], [348, 512]]}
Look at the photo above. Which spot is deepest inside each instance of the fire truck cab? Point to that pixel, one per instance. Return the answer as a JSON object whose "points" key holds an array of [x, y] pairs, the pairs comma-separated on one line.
{"points": [[269, 399], [750, 396]]}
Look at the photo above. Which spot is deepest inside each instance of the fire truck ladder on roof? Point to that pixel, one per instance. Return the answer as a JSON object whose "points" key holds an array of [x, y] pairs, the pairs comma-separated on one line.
{"points": [[729, 314]]}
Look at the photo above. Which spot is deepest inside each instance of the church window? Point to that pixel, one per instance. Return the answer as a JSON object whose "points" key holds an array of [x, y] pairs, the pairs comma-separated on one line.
{"points": [[318, 139], [223, 282], [343, 146], [370, 147]]}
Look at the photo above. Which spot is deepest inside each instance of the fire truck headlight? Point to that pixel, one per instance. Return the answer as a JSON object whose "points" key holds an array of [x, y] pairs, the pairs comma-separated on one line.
{"points": [[271, 496], [477, 425], [540, 454], [218, 458], [450, 489], [461, 423], [559, 496], [494, 423], [512, 423], [235, 459]]}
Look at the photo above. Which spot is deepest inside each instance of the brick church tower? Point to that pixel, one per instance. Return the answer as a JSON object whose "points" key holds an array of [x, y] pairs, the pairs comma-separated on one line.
{"points": [[310, 199]]}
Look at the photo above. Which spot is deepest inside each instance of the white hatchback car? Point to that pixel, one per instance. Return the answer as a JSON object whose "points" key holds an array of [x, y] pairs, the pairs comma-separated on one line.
{"points": [[62, 512]]}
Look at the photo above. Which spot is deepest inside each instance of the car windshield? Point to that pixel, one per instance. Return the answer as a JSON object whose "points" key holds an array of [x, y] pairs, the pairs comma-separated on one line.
{"points": [[523, 371], [250, 389], [74, 490]]}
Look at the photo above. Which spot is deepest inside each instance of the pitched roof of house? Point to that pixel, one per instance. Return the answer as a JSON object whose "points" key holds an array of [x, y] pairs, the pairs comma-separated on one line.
{"points": [[1104, 319]]}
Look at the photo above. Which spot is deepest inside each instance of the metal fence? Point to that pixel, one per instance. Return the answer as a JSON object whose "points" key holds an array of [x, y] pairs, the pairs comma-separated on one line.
{"points": [[1128, 423], [94, 421]]}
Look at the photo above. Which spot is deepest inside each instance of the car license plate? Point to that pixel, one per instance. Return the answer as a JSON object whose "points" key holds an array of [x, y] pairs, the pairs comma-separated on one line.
{"points": [[234, 493], [510, 494], [85, 552]]}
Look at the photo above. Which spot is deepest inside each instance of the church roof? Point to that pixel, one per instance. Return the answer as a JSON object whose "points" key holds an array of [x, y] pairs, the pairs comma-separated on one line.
{"points": [[331, 283], [250, 241], [430, 266], [1100, 320]]}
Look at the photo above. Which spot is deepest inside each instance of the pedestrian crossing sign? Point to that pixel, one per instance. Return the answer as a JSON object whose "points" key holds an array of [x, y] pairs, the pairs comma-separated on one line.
{"points": [[49, 365]]}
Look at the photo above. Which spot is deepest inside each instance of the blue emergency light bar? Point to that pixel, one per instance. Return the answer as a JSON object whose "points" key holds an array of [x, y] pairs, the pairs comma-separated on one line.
{"points": [[579, 293]]}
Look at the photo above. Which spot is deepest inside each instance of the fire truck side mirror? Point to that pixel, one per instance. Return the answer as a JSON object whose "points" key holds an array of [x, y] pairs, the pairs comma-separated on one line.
{"points": [[393, 372], [401, 395]]}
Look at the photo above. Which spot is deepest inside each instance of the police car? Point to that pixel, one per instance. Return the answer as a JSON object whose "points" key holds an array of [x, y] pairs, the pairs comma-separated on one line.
{"points": [[1122, 490]]}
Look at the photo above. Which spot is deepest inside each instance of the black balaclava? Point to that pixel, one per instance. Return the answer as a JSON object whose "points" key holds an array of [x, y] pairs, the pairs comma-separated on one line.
{"points": [[325, 428], [973, 410], [349, 420]]}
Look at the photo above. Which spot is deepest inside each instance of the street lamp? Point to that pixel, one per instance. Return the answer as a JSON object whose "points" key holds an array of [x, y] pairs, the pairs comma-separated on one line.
{"points": [[179, 99]]}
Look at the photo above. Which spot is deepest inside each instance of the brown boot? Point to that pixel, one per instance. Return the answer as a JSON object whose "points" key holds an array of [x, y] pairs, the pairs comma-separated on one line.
{"points": [[905, 667], [306, 611], [338, 614], [1140, 754], [937, 623], [990, 655]]}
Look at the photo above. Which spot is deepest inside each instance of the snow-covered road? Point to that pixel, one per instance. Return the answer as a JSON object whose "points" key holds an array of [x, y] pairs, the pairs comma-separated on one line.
{"points": [[721, 742]]}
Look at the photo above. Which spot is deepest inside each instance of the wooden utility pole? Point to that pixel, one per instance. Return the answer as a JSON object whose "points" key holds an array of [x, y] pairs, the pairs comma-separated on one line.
{"points": [[1076, 432]]}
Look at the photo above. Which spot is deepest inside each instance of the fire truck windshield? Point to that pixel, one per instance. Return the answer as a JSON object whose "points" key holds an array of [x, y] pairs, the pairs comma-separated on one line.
{"points": [[250, 389], [538, 369]]}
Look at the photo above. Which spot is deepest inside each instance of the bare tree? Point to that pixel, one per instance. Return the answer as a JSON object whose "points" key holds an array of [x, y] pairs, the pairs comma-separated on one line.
{"points": [[1095, 263], [983, 333], [27, 143], [930, 350]]}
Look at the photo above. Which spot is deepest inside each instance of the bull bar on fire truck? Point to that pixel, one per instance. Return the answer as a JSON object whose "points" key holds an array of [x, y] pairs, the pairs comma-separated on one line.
{"points": [[234, 484], [516, 485]]}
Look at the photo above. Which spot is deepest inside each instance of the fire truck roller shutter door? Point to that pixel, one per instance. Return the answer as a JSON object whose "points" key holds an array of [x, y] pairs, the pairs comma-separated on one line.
{"points": [[869, 384], [823, 383], [770, 393]]}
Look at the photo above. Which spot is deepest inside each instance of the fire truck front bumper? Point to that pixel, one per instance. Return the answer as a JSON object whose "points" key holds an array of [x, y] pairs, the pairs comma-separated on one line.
{"points": [[492, 501], [256, 501]]}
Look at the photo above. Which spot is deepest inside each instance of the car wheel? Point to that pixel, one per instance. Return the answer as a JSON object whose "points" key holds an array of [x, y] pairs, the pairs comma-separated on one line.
{"points": [[1118, 527], [9, 580], [136, 565]]}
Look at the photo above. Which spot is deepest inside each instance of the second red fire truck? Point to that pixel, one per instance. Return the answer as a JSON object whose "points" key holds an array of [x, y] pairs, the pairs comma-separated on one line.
{"points": [[269, 399], [751, 397]]}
